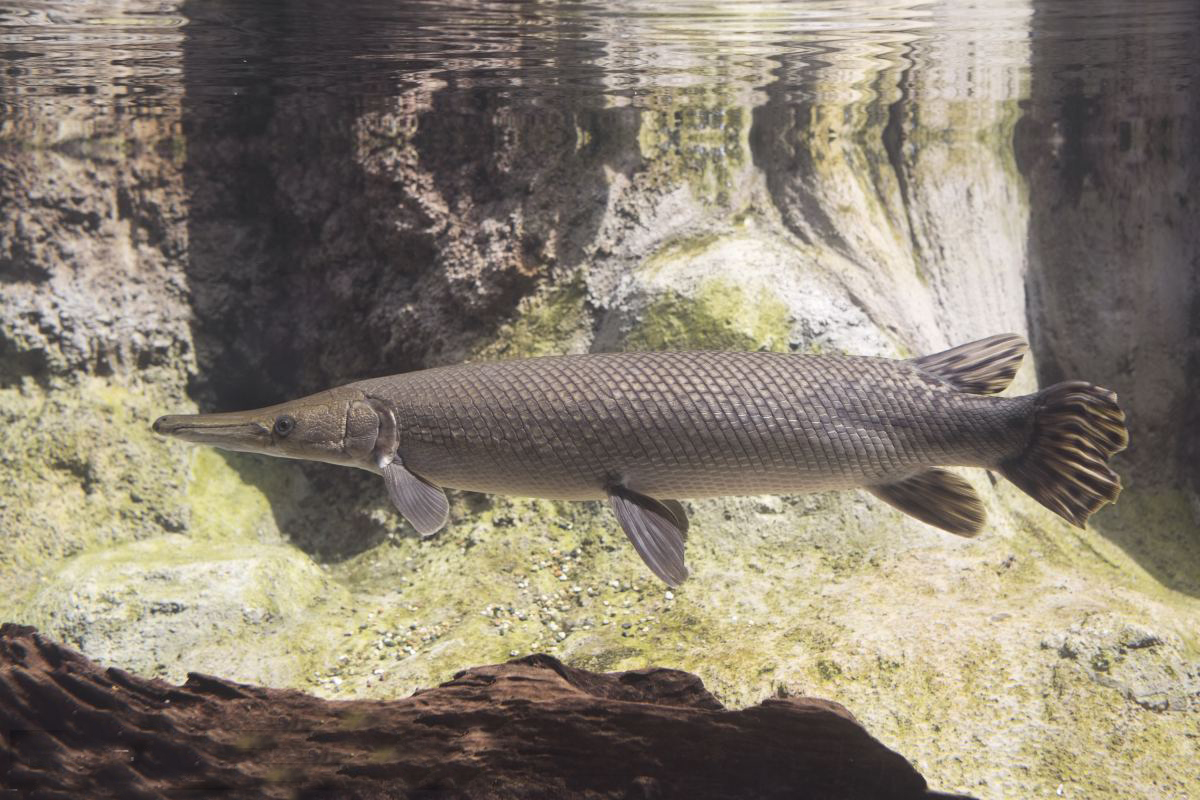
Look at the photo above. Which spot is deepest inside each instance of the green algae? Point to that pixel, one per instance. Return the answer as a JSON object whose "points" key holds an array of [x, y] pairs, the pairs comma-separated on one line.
{"points": [[719, 316], [548, 323], [81, 469], [224, 506]]}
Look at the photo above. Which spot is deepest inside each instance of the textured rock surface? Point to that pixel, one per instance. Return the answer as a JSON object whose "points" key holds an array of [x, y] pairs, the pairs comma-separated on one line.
{"points": [[279, 245], [530, 728], [94, 316]]}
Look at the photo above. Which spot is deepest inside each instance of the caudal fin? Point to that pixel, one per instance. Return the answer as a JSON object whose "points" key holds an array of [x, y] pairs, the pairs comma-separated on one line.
{"points": [[1077, 428]]}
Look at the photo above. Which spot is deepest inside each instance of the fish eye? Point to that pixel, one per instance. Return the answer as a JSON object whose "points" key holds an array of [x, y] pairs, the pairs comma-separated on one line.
{"points": [[284, 425]]}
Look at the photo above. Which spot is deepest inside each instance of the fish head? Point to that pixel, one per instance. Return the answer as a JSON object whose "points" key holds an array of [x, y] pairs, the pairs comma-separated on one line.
{"points": [[334, 426]]}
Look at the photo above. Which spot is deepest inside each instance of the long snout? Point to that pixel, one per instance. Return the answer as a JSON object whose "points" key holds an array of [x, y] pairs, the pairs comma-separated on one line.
{"points": [[231, 431]]}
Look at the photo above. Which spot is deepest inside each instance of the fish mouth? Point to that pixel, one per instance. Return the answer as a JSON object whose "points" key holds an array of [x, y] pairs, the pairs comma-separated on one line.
{"points": [[231, 431]]}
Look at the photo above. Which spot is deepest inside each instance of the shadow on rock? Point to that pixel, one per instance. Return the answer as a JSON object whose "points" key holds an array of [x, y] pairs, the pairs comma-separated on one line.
{"points": [[1113, 283], [335, 236]]}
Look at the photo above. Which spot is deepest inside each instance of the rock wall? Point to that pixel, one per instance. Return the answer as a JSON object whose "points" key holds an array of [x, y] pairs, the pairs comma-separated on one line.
{"points": [[1114, 277], [93, 316]]}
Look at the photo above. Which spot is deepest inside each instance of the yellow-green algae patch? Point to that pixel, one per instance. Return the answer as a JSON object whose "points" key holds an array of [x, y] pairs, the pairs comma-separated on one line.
{"points": [[224, 506], [173, 604], [80, 469], [551, 322], [718, 316]]}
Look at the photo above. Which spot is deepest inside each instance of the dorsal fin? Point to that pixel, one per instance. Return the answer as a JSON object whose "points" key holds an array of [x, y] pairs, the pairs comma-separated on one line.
{"points": [[983, 367]]}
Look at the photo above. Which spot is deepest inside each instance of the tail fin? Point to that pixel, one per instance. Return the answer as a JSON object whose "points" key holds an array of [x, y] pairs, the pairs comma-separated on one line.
{"points": [[1077, 427]]}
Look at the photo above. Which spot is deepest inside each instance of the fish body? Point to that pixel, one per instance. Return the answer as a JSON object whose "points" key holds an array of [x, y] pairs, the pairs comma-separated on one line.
{"points": [[645, 430], [690, 424]]}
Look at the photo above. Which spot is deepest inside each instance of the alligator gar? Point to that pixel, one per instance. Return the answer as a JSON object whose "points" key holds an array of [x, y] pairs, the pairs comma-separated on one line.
{"points": [[645, 430]]}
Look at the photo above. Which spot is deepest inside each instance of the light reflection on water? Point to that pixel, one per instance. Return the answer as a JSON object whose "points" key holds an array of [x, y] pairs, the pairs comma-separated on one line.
{"points": [[140, 56], [604, 54]]}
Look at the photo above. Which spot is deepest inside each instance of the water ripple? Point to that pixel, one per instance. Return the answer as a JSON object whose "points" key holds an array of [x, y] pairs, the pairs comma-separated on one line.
{"points": [[148, 54]]}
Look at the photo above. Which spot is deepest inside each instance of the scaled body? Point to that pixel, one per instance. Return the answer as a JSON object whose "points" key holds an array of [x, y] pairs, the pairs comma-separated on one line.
{"points": [[690, 425]]}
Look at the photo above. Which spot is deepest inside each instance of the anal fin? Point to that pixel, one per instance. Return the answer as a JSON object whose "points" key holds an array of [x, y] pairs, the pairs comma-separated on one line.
{"points": [[655, 531], [937, 497], [420, 502]]}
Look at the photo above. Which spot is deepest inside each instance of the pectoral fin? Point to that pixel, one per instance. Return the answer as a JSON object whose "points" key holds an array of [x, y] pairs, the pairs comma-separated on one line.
{"points": [[681, 517], [656, 533], [419, 501], [937, 497]]}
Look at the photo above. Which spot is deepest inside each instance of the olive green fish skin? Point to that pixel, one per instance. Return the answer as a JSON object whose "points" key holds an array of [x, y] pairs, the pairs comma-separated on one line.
{"points": [[691, 424]]}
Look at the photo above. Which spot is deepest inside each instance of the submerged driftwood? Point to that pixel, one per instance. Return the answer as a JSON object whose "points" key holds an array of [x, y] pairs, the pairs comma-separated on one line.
{"points": [[531, 728]]}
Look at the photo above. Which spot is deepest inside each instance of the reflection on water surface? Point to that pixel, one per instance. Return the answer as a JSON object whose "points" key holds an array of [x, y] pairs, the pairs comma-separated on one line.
{"points": [[610, 53]]}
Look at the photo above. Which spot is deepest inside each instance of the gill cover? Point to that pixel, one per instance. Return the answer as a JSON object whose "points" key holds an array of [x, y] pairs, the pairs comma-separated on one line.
{"points": [[363, 424]]}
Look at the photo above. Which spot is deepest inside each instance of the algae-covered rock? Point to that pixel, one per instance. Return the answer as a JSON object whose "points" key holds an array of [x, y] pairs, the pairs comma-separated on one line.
{"points": [[746, 288], [168, 606]]}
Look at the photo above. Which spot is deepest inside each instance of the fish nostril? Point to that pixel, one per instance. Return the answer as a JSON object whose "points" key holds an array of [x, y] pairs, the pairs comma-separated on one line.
{"points": [[157, 426]]}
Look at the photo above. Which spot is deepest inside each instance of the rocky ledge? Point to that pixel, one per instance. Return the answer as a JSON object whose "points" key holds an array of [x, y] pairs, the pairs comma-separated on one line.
{"points": [[531, 728]]}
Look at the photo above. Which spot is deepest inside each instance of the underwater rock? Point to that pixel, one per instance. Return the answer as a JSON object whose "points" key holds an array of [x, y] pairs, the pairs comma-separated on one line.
{"points": [[1147, 667], [163, 606], [529, 728]]}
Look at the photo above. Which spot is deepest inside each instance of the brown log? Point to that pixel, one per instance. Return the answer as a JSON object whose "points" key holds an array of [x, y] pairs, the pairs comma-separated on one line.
{"points": [[530, 728]]}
